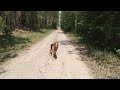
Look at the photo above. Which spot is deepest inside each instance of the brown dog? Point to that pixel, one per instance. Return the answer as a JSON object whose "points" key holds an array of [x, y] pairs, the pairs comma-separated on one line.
{"points": [[53, 50]]}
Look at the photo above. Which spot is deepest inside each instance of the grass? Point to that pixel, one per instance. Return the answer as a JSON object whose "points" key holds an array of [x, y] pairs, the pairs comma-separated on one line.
{"points": [[104, 64], [20, 41]]}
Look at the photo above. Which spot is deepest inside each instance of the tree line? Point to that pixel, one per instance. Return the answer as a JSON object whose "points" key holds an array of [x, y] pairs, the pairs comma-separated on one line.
{"points": [[34, 20], [97, 28], [31, 20]]}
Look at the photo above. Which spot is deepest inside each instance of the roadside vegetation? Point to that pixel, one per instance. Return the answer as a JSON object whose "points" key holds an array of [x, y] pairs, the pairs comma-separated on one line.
{"points": [[96, 35], [20, 29]]}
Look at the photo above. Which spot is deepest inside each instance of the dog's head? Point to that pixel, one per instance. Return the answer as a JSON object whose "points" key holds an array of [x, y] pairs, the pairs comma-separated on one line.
{"points": [[56, 46]]}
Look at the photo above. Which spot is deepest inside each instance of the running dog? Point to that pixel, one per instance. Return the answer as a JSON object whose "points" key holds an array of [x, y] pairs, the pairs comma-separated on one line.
{"points": [[53, 50]]}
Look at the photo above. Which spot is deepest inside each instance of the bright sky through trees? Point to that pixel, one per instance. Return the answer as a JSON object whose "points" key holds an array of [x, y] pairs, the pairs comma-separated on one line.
{"points": [[59, 17]]}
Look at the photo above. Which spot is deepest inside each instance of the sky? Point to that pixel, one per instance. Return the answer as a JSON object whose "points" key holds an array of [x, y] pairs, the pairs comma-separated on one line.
{"points": [[59, 17]]}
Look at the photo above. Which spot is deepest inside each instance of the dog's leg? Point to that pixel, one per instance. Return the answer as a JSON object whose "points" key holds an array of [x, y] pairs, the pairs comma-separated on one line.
{"points": [[53, 53], [55, 56]]}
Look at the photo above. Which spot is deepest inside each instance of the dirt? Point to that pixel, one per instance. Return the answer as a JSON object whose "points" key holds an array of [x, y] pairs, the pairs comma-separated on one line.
{"points": [[36, 63]]}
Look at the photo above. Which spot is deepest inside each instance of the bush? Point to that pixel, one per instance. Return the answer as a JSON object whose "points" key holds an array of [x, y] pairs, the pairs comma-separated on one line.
{"points": [[118, 51]]}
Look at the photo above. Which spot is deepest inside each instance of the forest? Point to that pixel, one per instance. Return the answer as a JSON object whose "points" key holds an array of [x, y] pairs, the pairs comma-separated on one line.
{"points": [[13, 23], [100, 29], [99, 33]]}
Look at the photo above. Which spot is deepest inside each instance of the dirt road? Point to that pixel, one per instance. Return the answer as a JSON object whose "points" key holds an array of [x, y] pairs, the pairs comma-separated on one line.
{"points": [[36, 62]]}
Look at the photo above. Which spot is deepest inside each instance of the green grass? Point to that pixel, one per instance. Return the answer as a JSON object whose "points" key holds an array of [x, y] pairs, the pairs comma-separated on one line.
{"points": [[73, 37], [20, 41], [105, 65]]}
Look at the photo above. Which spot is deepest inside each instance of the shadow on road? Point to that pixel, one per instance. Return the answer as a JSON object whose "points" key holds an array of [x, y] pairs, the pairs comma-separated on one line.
{"points": [[80, 48], [65, 42]]}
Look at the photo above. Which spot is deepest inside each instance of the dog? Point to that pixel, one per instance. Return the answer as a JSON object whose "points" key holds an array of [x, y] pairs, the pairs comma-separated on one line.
{"points": [[53, 50]]}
